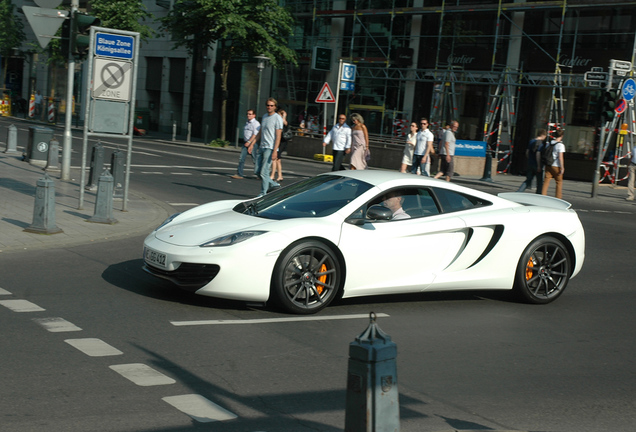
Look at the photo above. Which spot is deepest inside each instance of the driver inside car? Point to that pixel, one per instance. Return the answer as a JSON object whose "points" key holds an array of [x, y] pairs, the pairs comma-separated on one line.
{"points": [[393, 201]]}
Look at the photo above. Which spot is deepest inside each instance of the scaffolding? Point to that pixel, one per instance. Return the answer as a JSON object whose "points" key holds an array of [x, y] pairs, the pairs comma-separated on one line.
{"points": [[367, 39], [501, 120]]}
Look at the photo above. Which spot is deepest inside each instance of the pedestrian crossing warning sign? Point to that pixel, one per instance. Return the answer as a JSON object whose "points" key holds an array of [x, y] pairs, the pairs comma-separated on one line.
{"points": [[325, 95]]}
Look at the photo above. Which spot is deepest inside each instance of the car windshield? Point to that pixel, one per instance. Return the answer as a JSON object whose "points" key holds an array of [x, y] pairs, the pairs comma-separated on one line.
{"points": [[315, 197]]}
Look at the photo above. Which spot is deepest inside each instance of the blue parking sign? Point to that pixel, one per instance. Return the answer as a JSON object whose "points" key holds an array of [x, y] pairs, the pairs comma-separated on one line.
{"points": [[348, 72]]}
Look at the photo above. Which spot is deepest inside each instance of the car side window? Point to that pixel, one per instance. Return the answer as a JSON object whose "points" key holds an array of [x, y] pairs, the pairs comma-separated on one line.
{"points": [[415, 202], [451, 201]]}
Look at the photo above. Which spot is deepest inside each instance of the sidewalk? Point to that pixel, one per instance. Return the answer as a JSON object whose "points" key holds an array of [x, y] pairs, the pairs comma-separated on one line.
{"points": [[18, 181]]}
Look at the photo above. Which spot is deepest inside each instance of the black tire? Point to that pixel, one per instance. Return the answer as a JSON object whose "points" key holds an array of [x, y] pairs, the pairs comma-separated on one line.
{"points": [[306, 278], [543, 271]]}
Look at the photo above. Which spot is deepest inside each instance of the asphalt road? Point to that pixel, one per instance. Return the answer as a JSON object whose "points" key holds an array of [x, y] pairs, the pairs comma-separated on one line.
{"points": [[114, 348]]}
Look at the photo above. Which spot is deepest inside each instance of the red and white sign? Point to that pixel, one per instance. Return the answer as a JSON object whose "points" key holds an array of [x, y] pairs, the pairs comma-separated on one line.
{"points": [[325, 95], [621, 105]]}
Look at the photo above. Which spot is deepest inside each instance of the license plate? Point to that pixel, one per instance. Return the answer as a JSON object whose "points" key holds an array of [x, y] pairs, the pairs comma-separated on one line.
{"points": [[154, 257]]}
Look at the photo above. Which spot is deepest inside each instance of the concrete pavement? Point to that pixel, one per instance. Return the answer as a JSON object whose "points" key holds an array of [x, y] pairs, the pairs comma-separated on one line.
{"points": [[17, 198]]}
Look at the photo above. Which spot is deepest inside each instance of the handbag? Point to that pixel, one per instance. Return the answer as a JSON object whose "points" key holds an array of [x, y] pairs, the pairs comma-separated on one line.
{"points": [[287, 134], [367, 154]]}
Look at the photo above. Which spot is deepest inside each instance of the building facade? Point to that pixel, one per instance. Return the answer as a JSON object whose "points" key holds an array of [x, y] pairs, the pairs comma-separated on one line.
{"points": [[441, 59]]}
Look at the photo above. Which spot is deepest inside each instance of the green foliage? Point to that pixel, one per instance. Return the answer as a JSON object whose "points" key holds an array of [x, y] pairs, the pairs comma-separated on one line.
{"points": [[251, 28], [219, 143], [123, 15], [11, 28]]}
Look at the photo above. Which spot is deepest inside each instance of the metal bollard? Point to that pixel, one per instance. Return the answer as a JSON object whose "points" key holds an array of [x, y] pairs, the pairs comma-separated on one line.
{"points": [[97, 166], [53, 156], [487, 166], [117, 167], [44, 208], [104, 201], [174, 131], [372, 393], [12, 139]]}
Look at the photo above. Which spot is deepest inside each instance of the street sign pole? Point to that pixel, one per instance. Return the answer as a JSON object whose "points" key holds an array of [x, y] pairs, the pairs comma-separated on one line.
{"points": [[67, 142]]}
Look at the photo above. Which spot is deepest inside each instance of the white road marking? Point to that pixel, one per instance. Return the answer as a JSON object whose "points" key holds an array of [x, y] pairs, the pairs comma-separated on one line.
{"points": [[183, 204], [152, 172], [199, 408], [56, 325], [142, 375], [181, 173], [274, 320], [21, 306], [4, 292], [93, 347]]}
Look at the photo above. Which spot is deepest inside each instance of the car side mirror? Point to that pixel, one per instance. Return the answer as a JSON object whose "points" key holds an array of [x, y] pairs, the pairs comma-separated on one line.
{"points": [[378, 212]]}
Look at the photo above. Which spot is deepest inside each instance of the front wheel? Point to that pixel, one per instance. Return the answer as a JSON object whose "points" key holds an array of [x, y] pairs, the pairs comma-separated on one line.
{"points": [[306, 278], [543, 271]]}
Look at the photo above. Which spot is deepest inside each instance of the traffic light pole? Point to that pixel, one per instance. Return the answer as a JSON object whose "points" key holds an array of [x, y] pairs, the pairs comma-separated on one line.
{"points": [[67, 145]]}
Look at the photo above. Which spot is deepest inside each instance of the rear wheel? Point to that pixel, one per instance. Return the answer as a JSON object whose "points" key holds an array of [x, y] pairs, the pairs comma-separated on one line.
{"points": [[543, 271], [307, 278]]}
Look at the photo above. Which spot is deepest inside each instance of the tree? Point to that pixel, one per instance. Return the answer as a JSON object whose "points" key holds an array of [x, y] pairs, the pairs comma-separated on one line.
{"points": [[11, 34], [252, 28], [123, 15]]}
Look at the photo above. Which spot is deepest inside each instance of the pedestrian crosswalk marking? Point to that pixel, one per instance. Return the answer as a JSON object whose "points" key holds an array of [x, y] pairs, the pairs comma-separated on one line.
{"points": [[199, 408], [93, 347], [142, 375]]}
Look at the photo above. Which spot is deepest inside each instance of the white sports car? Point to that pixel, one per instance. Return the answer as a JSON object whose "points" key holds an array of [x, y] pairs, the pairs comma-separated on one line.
{"points": [[360, 233]]}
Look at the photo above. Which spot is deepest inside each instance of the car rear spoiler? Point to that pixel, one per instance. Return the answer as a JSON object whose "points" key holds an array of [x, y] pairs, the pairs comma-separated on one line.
{"points": [[535, 200]]}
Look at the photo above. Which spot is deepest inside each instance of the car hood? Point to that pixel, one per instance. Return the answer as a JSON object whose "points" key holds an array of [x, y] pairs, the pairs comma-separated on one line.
{"points": [[198, 230]]}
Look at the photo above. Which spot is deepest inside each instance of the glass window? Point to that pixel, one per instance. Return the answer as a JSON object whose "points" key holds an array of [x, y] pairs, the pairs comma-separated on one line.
{"points": [[316, 197], [451, 201]]}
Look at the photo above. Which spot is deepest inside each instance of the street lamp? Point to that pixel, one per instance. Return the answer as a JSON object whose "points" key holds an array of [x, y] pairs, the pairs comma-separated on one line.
{"points": [[261, 63]]}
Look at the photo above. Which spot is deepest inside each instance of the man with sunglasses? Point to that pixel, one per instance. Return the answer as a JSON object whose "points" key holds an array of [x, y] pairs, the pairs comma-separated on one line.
{"points": [[269, 135], [340, 134], [423, 147]]}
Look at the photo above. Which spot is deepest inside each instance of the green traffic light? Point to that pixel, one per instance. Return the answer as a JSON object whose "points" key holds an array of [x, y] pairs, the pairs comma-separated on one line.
{"points": [[81, 33]]}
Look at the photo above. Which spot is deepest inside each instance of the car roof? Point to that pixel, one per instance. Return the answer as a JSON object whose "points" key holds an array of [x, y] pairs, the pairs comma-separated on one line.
{"points": [[384, 179]]}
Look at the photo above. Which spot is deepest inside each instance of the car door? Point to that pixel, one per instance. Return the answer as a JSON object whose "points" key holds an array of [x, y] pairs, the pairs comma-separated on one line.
{"points": [[400, 255]]}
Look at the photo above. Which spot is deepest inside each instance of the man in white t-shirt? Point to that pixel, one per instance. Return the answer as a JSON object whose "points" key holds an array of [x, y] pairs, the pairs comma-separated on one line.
{"points": [[557, 168], [423, 147]]}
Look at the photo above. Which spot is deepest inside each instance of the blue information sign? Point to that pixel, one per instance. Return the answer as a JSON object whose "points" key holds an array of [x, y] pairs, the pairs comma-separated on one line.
{"points": [[348, 72], [114, 45], [629, 89], [470, 148]]}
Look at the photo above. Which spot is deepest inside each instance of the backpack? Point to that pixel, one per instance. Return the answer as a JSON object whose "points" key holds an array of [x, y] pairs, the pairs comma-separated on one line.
{"points": [[547, 154]]}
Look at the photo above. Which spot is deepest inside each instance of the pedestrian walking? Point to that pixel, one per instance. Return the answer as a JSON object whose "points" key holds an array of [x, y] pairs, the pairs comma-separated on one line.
{"points": [[552, 159], [423, 149], [251, 128], [409, 148], [269, 136], [447, 152], [534, 163], [340, 136], [360, 153]]}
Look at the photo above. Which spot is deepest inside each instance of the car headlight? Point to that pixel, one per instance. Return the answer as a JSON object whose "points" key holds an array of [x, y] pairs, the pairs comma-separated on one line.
{"points": [[232, 239], [167, 221]]}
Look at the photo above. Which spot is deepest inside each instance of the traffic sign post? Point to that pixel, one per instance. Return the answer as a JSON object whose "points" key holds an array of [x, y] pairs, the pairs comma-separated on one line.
{"points": [[110, 96]]}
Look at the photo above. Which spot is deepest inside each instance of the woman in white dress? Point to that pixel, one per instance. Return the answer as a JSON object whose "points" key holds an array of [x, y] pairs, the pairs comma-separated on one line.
{"points": [[411, 138]]}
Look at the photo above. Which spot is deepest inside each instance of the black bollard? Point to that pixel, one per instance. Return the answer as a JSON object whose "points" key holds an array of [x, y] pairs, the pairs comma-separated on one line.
{"points": [[97, 166], [488, 166]]}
